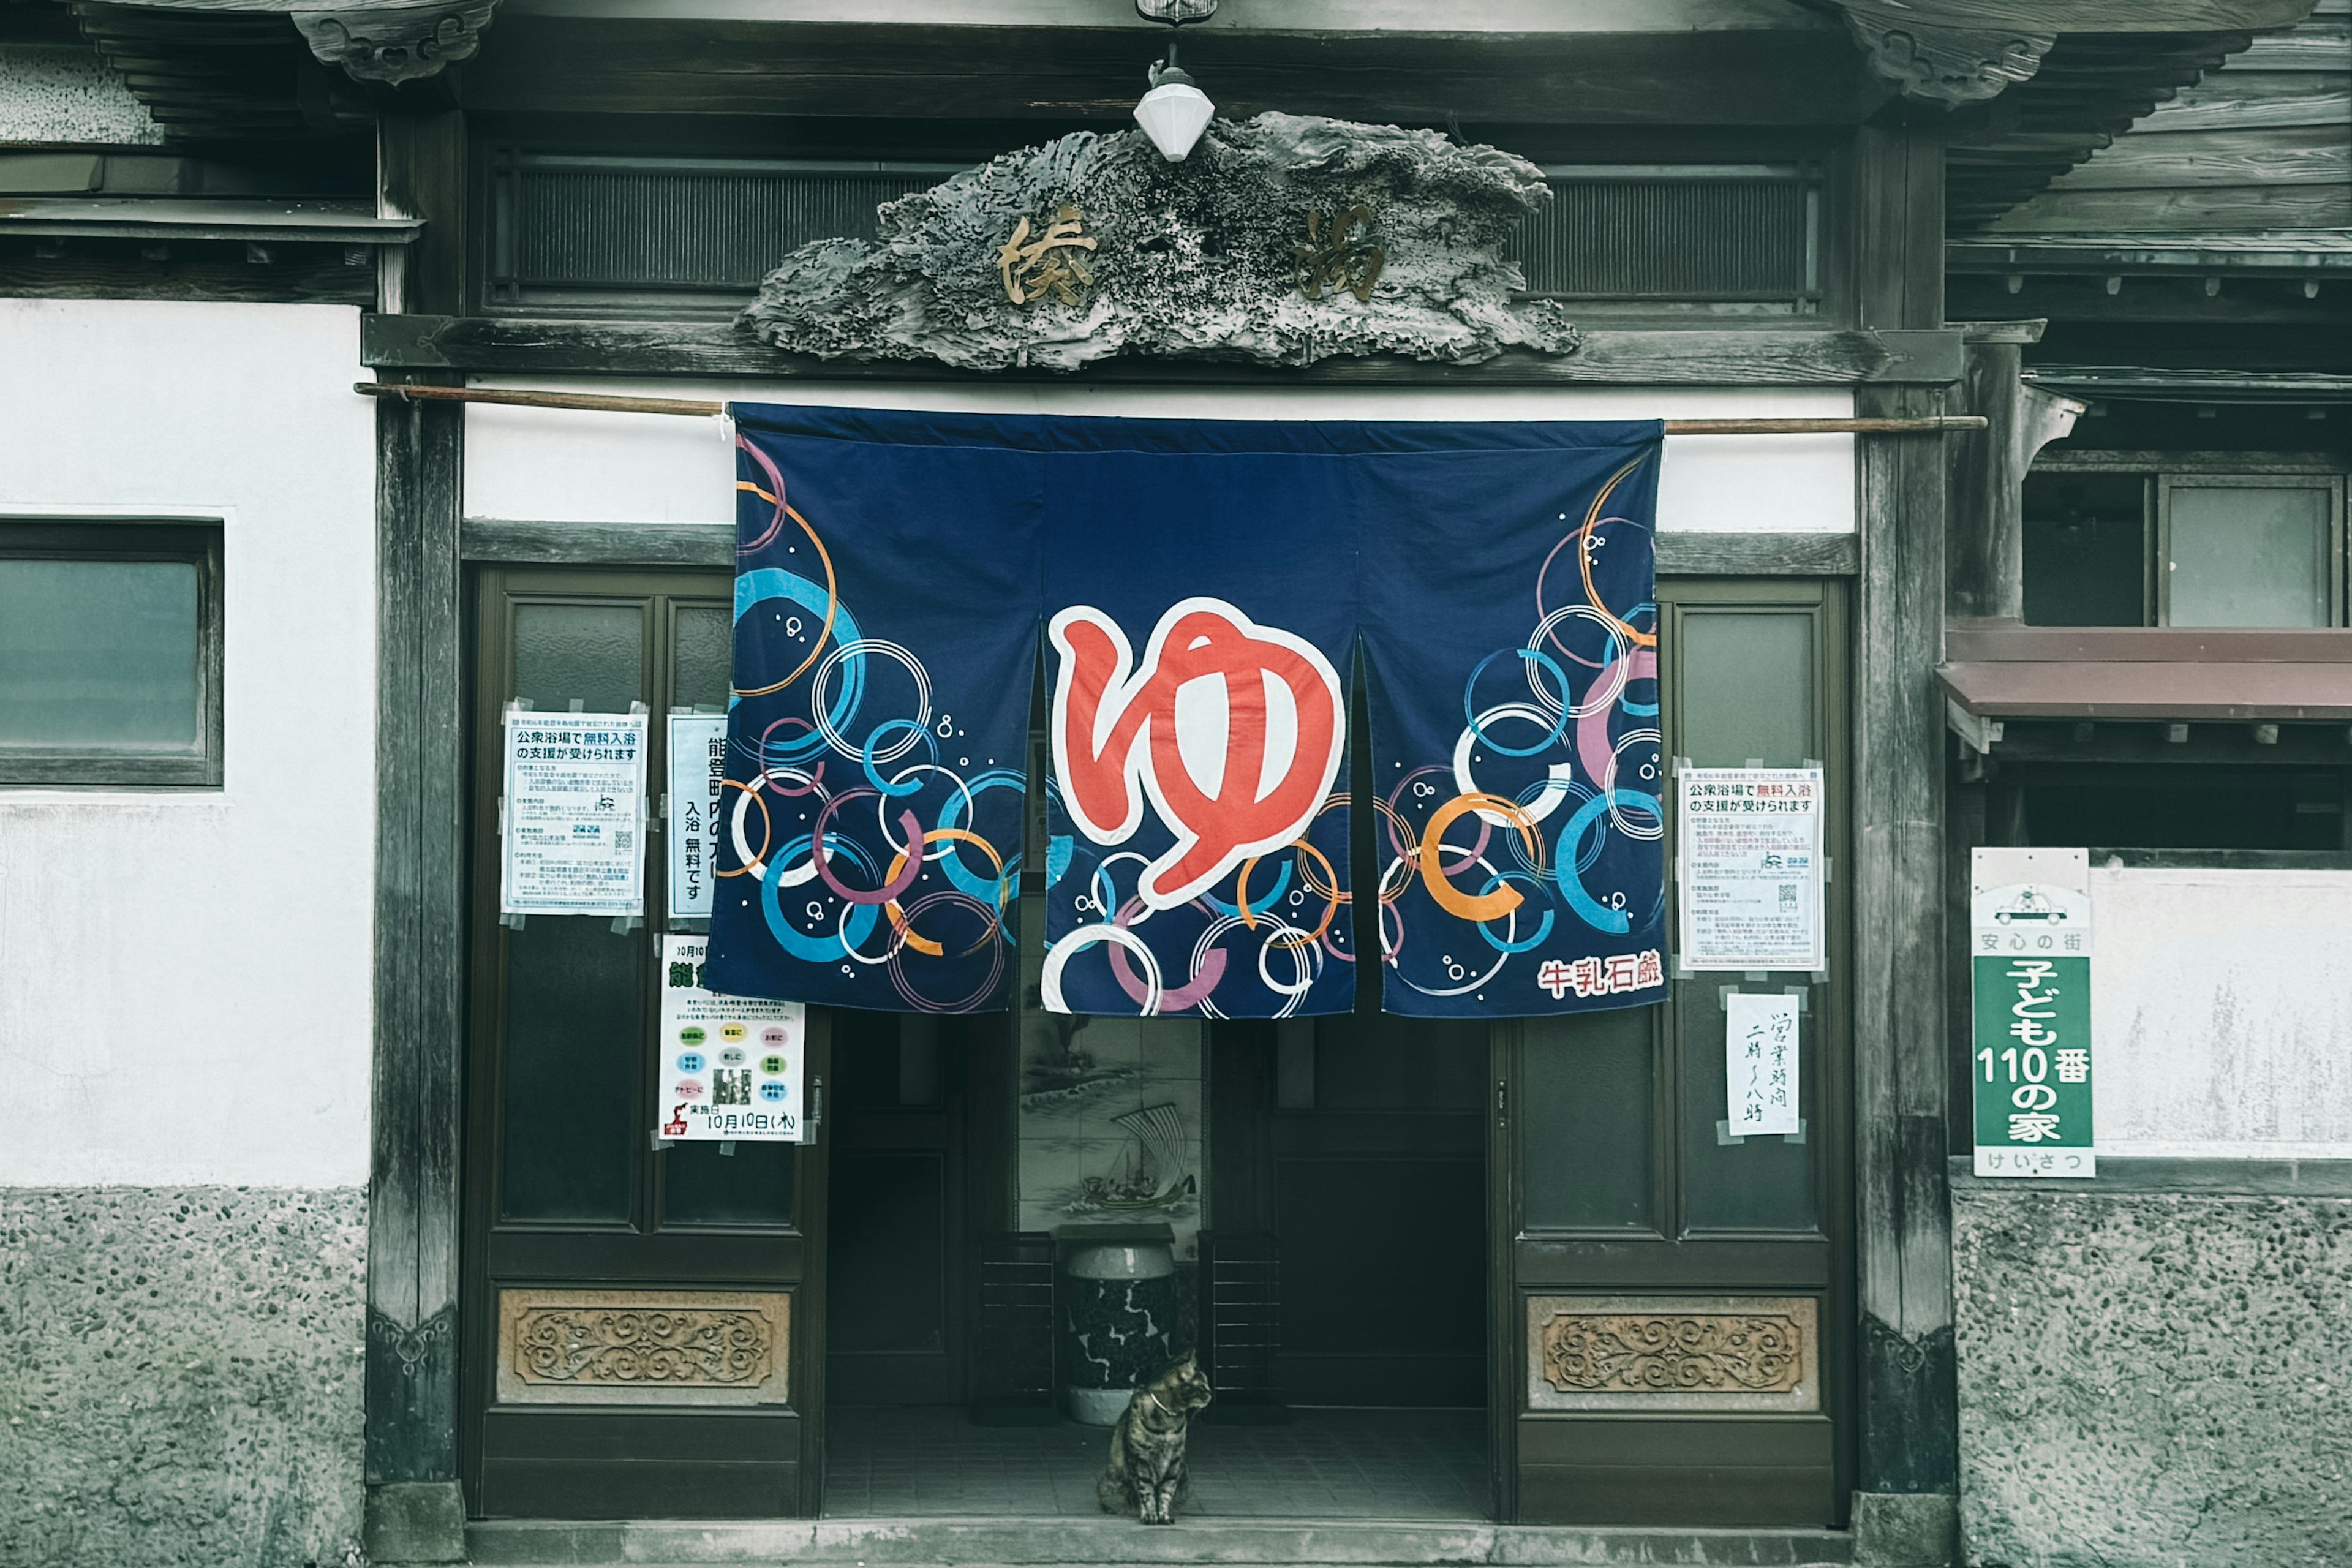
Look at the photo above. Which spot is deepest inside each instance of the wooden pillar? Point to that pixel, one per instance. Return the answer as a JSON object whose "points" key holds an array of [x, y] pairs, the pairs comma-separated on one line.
{"points": [[421, 172], [415, 1507], [1907, 1462], [1986, 559]]}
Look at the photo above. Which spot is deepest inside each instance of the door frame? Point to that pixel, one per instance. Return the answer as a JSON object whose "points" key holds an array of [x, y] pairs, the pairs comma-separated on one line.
{"points": [[1827, 1028], [680, 1264]]}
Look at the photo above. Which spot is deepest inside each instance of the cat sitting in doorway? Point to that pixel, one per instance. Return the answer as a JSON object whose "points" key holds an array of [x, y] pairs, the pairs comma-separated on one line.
{"points": [[1147, 1475]]}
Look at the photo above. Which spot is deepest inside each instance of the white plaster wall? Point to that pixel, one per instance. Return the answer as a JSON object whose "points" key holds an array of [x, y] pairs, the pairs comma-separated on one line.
{"points": [[184, 975], [558, 466], [2221, 1013]]}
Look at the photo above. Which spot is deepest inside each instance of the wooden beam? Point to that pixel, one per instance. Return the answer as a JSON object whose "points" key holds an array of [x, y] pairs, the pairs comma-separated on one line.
{"points": [[512, 542], [2230, 207], [1805, 75], [2152, 160], [1611, 356], [308, 278], [1683, 555], [2107, 16], [2219, 105], [535, 543], [705, 408]]}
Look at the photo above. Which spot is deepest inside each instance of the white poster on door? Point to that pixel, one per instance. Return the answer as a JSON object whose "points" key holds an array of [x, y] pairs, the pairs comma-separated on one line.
{"points": [[574, 808], [728, 1066], [698, 764], [1760, 1060], [1750, 870]]}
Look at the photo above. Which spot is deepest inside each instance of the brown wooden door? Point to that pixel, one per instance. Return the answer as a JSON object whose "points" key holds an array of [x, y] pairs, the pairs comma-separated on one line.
{"points": [[1671, 1306], [621, 1263]]}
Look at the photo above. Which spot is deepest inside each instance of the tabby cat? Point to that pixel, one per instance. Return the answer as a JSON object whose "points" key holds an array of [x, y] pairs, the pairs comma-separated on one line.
{"points": [[1146, 1446]]}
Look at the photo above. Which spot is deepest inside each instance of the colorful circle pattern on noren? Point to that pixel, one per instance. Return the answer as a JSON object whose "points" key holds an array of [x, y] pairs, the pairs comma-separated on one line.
{"points": [[1206, 593]]}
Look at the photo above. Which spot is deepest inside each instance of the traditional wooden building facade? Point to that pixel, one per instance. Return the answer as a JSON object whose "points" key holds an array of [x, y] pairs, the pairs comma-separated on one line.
{"points": [[307, 1139]]}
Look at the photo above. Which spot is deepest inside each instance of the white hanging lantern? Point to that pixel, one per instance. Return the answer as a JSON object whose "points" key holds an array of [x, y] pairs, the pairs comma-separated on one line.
{"points": [[1175, 112]]}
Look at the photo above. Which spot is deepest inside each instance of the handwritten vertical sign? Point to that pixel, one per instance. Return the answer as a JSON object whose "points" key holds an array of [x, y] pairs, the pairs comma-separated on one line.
{"points": [[698, 766], [575, 793], [1760, 1063], [2030, 961], [1751, 869]]}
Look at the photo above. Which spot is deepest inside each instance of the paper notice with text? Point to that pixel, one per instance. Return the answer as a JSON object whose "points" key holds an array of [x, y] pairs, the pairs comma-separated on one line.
{"points": [[1750, 870], [574, 811]]}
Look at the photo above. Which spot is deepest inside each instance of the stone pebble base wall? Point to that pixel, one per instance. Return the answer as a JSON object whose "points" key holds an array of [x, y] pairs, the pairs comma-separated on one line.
{"points": [[180, 1376], [2154, 1380]]}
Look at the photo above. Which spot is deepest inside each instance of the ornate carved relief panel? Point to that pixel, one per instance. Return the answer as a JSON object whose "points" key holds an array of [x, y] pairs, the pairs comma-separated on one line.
{"points": [[1666, 1354], [643, 1347]]}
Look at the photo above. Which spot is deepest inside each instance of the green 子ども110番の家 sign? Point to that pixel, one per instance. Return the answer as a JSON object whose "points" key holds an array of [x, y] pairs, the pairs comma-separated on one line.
{"points": [[2030, 957]]}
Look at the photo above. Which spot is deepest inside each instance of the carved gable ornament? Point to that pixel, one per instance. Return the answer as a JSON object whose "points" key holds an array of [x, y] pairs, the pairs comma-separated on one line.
{"points": [[1282, 240]]}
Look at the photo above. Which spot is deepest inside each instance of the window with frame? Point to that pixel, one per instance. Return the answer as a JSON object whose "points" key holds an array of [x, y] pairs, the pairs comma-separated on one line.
{"points": [[2138, 541], [110, 653]]}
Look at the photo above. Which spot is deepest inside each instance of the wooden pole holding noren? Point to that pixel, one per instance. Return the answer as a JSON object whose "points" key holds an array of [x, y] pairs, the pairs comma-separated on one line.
{"points": [[692, 407], [700, 408]]}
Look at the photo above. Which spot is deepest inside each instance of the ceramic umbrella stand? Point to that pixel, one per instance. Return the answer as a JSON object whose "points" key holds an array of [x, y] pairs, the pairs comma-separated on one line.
{"points": [[1118, 1313]]}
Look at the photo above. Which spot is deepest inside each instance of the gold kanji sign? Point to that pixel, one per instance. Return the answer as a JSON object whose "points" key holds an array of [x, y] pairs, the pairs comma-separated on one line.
{"points": [[1338, 253], [1051, 263]]}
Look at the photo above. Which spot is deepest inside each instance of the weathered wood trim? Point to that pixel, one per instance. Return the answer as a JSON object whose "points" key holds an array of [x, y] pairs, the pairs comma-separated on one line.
{"points": [[492, 345], [413, 1187], [2147, 743], [103, 269], [1998, 640], [697, 544], [1021, 69], [2233, 206], [1985, 560], [2225, 104], [1908, 1396], [156, 220], [704, 545], [1759, 554], [2119, 461], [421, 174], [2107, 16], [2181, 160], [413, 1507]]}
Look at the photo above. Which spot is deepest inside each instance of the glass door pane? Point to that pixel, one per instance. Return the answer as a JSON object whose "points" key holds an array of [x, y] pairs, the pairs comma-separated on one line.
{"points": [[1743, 683], [569, 1092]]}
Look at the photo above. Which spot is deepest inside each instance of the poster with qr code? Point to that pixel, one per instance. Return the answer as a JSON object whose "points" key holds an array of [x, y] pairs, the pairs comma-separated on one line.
{"points": [[728, 1066], [1750, 870], [573, 815]]}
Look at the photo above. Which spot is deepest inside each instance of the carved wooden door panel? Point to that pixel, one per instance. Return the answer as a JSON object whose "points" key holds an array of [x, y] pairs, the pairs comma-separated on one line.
{"points": [[1670, 1303], [643, 1325]]}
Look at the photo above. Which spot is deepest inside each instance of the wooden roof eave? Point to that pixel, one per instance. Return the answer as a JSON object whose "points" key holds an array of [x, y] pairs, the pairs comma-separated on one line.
{"points": [[1999, 671]]}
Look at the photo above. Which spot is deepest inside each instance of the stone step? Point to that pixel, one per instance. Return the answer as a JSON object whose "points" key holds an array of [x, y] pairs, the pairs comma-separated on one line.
{"points": [[1003, 1542]]}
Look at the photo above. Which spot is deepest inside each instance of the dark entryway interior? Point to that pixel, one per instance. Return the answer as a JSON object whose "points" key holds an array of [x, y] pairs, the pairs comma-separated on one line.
{"points": [[1374, 1157], [1339, 1300]]}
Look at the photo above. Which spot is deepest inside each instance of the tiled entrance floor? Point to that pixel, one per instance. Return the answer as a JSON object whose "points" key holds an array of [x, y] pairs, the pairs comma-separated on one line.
{"points": [[1321, 1463]]}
